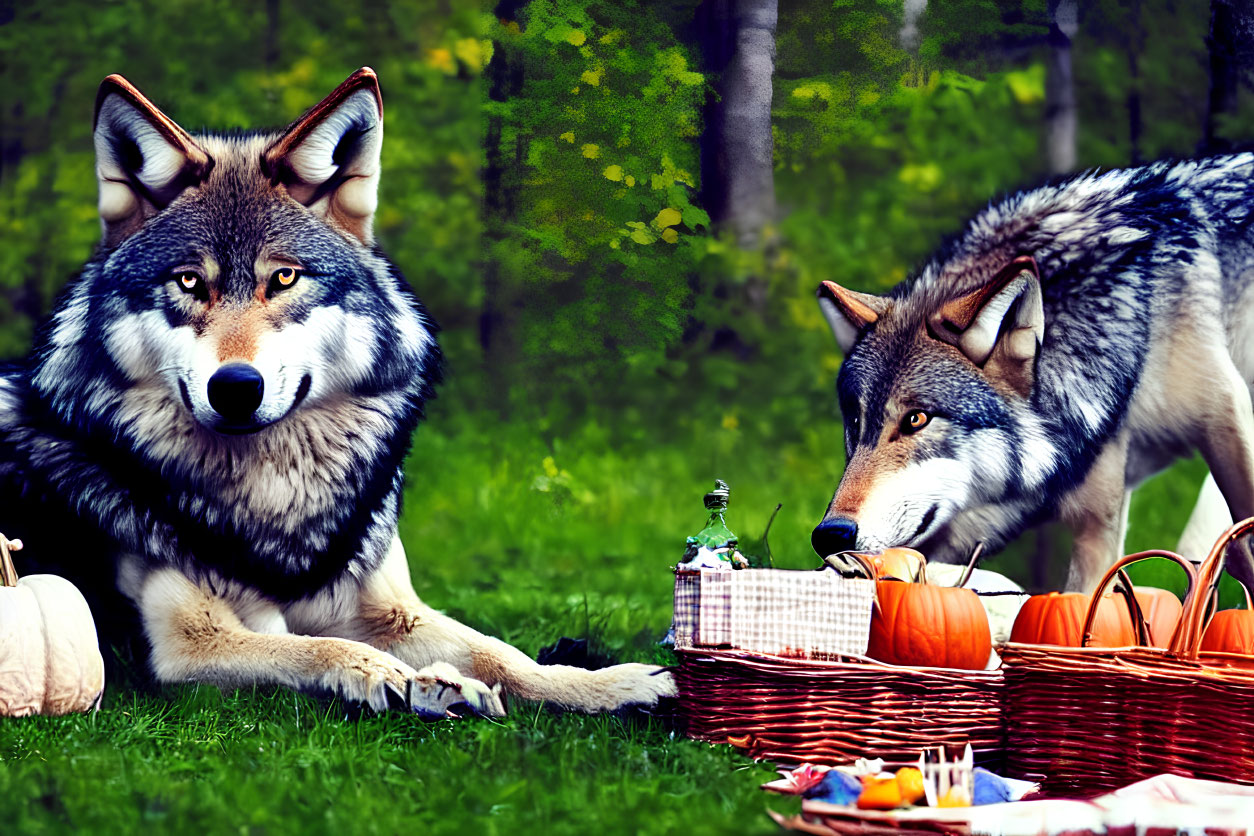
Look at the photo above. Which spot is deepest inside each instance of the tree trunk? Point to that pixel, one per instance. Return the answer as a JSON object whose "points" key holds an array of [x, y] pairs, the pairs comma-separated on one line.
{"points": [[738, 38], [272, 34], [1135, 46], [1231, 47], [505, 79], [1060, 131], [1060, 107], [911, 12]]}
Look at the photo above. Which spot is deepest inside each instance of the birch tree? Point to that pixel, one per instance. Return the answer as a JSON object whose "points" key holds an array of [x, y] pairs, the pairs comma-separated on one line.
{"points": [[911, 13], [739, 43], [1060, 104]]}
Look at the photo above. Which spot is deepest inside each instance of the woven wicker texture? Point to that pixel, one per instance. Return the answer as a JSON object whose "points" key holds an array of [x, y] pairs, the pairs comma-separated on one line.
{"points": [[1091, 718], [832, 712], [1081, 722]]}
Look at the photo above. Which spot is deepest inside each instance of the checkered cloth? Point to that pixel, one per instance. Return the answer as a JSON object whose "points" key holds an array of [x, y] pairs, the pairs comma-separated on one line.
{"points": [[786, 613]]}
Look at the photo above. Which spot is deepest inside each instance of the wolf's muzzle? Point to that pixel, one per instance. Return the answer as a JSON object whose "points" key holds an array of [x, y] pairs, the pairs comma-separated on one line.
{"points": [[838, 534], [235, 392]]}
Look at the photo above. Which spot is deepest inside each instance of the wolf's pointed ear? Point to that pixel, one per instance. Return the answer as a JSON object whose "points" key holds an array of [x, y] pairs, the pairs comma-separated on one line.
{"points": [[143, 159], [849, 312], [999, 327], [329, 158]]}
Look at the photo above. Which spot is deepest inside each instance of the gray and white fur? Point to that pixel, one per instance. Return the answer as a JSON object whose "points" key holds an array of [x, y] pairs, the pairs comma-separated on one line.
{"points": [[1072, 341], [216, 415]]}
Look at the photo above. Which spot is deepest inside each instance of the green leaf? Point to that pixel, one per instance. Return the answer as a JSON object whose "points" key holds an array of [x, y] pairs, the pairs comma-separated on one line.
{"points": [[1027, 86], [667, 217], [695, 217]]}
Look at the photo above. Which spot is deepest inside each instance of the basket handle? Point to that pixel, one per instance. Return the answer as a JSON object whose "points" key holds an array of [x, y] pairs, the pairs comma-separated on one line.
{"points": [[1134, 607], [1212, 603], [1187, 640]]}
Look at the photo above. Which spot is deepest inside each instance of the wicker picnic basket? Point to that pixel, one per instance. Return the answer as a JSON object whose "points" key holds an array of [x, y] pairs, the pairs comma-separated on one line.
{"points": [[793, 710], [1084, 719], [796, 704]]}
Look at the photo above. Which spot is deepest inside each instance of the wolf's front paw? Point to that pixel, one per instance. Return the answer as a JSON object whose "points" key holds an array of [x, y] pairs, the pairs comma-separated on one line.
{"points": [[630, 684], [439, 690], [359, 673]]}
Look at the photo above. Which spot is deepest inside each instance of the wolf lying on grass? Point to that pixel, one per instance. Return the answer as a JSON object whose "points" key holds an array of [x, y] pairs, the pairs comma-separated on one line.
{"points": [[226, 394], [1070, 343]]}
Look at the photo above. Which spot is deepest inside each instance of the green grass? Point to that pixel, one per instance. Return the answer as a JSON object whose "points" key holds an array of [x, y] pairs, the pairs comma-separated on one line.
{"points": [[191, 759], [520, 547]]}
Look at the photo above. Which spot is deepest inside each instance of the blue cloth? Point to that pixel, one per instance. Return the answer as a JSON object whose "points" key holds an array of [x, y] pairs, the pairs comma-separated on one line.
{"points": [[990, 788], [837, 787]]}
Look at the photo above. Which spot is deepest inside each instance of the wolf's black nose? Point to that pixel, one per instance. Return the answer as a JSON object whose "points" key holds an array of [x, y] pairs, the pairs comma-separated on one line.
{"points": [[838, 534], [235, 391]]}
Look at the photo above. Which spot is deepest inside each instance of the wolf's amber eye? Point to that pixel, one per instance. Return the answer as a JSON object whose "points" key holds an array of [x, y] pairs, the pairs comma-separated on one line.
{"points": [[188, 280], [915, 420], [284, 277]]}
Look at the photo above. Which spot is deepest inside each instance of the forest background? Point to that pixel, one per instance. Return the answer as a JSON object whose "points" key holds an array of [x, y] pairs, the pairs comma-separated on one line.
{"points": [[619, 332]]}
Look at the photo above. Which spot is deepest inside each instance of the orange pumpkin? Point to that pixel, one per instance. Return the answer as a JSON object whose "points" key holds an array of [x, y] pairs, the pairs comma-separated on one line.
{"points": [[1230, 631], [922, 625], [1058, 618], [1161, 609]]}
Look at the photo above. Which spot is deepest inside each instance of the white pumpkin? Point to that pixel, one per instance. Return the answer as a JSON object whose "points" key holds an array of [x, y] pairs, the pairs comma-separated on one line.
{"points": [[50, 660]]}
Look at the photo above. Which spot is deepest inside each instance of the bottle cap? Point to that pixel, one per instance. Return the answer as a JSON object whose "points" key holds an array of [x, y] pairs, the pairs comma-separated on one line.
{"points": [[717, 499]]}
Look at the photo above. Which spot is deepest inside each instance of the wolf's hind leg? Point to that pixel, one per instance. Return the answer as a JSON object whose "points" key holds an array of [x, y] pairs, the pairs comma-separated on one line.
{"points": [[196, 635], [391, 617], [1228, 448]]}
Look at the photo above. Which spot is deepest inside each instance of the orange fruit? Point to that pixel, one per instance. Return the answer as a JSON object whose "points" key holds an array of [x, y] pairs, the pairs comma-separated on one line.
{"points": [[879, 793], [910, 783]]}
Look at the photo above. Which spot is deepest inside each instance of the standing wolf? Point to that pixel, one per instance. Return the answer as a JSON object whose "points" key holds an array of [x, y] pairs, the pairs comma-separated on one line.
{"points": [[1071, 342], [225, 396]]}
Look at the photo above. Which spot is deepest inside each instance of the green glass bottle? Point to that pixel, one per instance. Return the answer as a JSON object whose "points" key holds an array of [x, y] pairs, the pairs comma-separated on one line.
{"points": [[716, 537]]}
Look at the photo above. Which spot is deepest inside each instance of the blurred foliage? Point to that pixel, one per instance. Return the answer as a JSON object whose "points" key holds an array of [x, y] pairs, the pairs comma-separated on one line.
{"points": [[591, 127]]}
